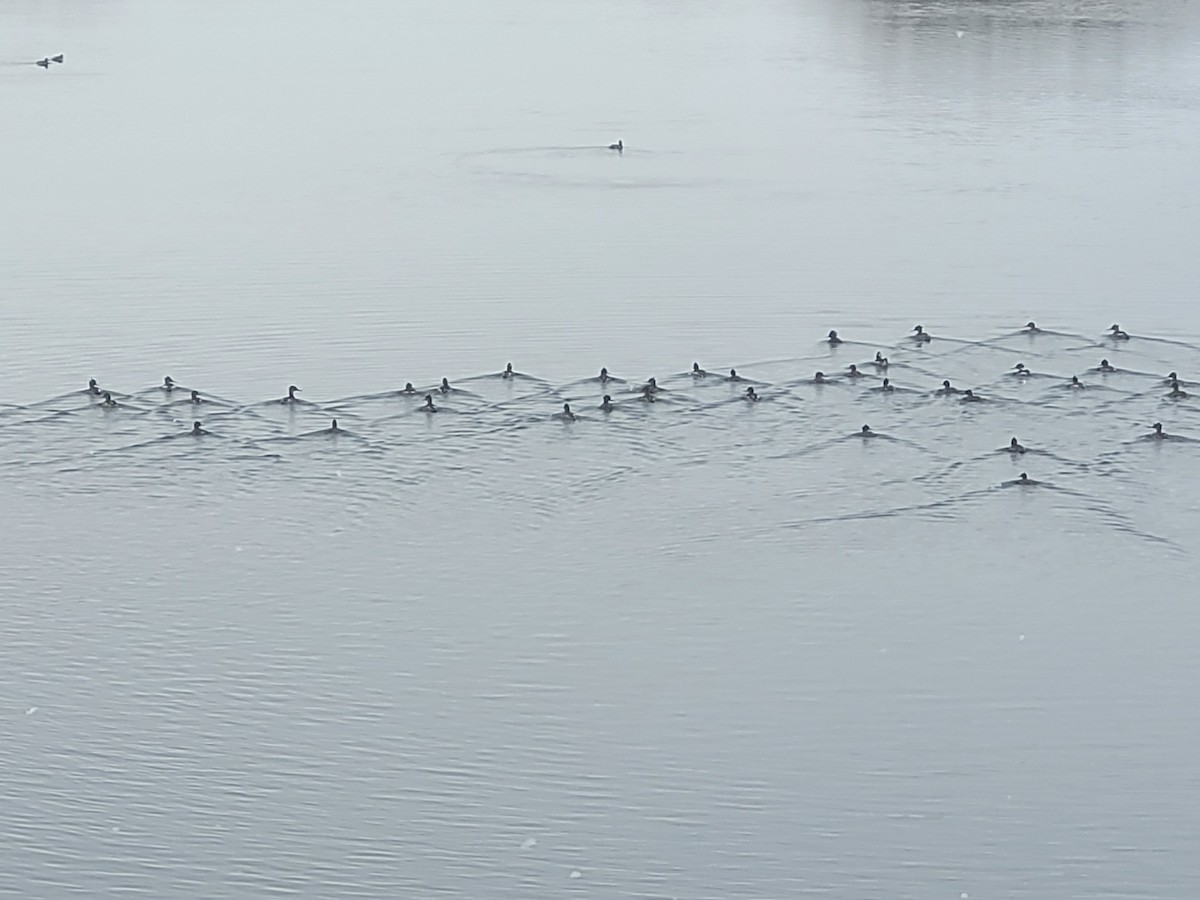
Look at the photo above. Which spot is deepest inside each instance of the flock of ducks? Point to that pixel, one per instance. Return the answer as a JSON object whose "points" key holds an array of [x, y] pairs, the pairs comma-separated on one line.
{"points": [[649, 391]]}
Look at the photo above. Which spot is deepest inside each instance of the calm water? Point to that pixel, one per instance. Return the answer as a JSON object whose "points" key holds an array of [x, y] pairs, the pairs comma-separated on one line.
{"points": [[695, 648]]}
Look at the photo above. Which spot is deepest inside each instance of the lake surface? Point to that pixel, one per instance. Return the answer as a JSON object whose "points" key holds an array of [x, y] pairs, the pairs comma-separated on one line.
{"points": [[700, 647]]}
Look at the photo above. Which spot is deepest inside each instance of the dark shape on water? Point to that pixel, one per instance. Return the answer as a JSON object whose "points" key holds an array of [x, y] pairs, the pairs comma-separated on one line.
{"points": [[196, 397], [880, 361], [1177, 393], [920, 335], [833, 339], [1105, 367], [751, 395], [44, 63], [57, 59], [619, 146], [566, 414], [429, 407], [109, 402], [508, 371], [969, 396], [1117, 333], [698, 372], [1014, 446], [291, 394], [854, 373], [606, 404], [197, 430], [168, 384], [93, 387], [946, 389], [1158, 432], [867, 432], [1032, 328], [445, 386], [819, 378]]}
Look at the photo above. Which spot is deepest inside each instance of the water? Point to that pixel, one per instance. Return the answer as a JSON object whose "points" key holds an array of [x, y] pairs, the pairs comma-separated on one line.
{"points": [[694, 648]]}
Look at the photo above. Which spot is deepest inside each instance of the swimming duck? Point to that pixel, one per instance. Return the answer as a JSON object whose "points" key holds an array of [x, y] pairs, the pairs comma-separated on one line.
{"points": [[291, 395], [886, 387], [750, 395], [168, 384], [1105, 367], [854, 373], [1172, 376], [604, 379], [197, 430], [820, 378], [920, 335], [567, 415], [445, 387], [333, 427], [698, 372], [408, 388], [867, 432], [734, 376], [1117, 333], [44, 63], [1020, 371], [1158, 432], [1075, 383], [833, 339], [93, 387], [57, 59], [196, 397], [1014, 446], [108, 400], [606, 404], [651, 385], [946, 389], [1025, 479], [619, 146], [508, 371], [969, 396], [648, 393], [1177, 393], [880, 361], [429, 407], [1032, 328]]}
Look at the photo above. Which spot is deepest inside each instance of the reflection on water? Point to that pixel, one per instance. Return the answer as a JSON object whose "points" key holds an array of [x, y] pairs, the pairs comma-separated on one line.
{"points": [[690, 647]]}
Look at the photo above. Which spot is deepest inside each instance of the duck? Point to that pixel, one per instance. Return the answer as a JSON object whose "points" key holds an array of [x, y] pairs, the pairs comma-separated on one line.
{"points": [[57, 59], [886, 387], [1117, 333], [445, 386], [1025, 479], [920, 335], [168, 384], [880, 361], [291, 395], [651, 385], [648, 393], [734, 376], [1177, 393], [1105, 367], [408, 388], [508, 371], [197, 430], [946, 389], [750, 395], [196, 397], [333, 427], [1157, 433], [93, 387], [619, 146], [567, 415], [603, 378], [969, 396], [698, 372], [44, 63], [833, 340], [866, 431], [1032, 328], [820, 378], [429, 407], [606, 404], [1014, 446], [1020, 371], [854, 373], [1075, 383], [109, 402]]}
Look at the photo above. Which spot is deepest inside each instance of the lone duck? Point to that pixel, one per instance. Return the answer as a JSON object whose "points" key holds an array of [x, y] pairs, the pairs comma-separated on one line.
{"points": [[619, 146]]}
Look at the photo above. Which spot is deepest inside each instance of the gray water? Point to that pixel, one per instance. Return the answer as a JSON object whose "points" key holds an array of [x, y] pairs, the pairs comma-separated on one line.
{"points": [[694, 648]]}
